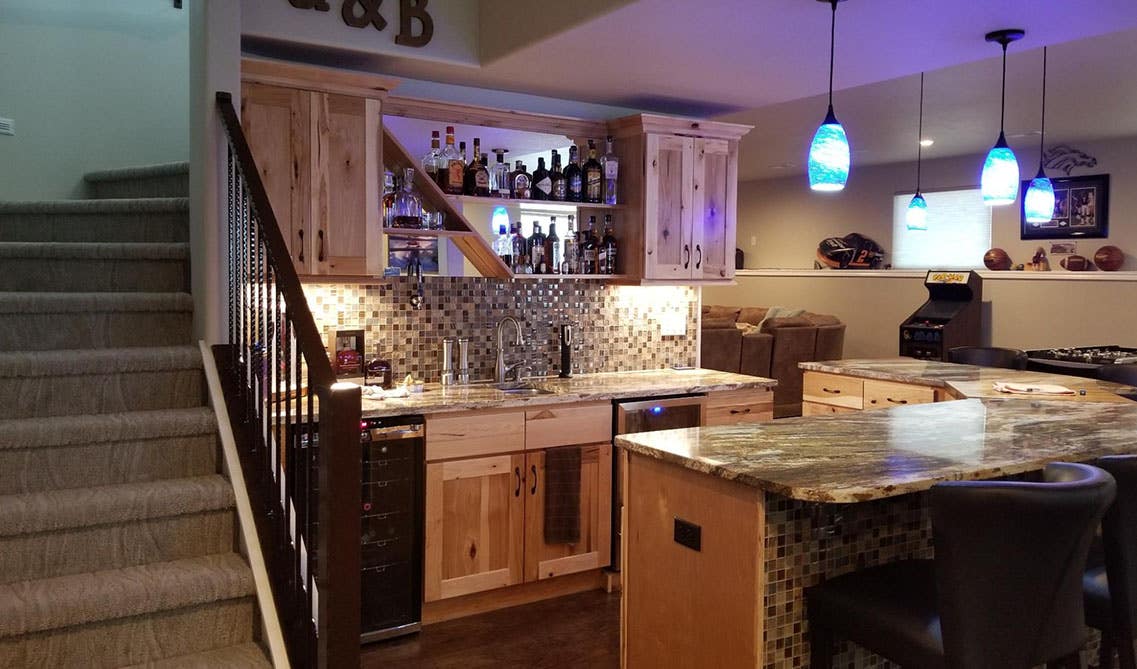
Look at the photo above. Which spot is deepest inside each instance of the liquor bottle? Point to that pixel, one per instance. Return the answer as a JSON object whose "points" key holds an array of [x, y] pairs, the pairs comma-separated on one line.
{"points": [[462, 152], [553, 248], [520, 250], [468, 177], [482, 178], [389, 192], [589, 248], [537, 250], [430, 160], [574, 184], [522, 182], [571, 258], [499, 175], [407, 207], [606, 254], [503, 246], [451, 179], [542, 184], [593, 177], [611, 165], [558, 179]]}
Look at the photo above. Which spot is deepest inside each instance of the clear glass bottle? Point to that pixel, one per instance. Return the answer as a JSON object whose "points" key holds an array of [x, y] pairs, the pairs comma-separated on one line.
{"points": [[522, 182], [558, 178], [407, 207], [611, 168], [389, 192], [542, 184], [450, 179], [499, 175], [537, 250], [570, 259], [593, 177], [553, 248], [503, 246], [606, 252], [430, 160], [574, 184]]}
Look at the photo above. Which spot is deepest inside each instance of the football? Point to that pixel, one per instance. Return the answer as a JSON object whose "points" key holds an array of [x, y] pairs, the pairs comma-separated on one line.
{"points": [[1076, 263], [1109, 258], [997, 259]]}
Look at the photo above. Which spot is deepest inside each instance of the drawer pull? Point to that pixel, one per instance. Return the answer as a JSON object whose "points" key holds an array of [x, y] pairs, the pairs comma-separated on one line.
{"points": [[896, 401], [738, 411], [834, 391]]}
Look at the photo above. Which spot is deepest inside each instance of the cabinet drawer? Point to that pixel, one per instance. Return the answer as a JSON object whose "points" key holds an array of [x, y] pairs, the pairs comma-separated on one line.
{"points": [[465, 435], [554, 425], [816, 409], [884, 394], [841, 391], [740, 406]]}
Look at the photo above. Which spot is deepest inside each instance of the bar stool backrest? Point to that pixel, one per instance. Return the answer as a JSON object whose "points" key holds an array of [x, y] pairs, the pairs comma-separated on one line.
{"points": [[1119, 539], [1009, 562], [1124, 374], [988, 356]]}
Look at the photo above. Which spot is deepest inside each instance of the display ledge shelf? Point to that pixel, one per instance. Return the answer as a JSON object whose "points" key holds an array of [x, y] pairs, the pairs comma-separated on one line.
{"points": [[573, 277], [1053, 275], [436, 234], [476, 199]]}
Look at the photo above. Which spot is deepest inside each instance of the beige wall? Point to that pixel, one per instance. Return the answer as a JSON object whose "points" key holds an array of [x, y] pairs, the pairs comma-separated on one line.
{"points": [[780, 221], [1019, 313]]}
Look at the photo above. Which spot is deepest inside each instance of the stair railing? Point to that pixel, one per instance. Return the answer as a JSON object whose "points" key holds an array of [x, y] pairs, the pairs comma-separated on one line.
{"points": [[284, 401]]}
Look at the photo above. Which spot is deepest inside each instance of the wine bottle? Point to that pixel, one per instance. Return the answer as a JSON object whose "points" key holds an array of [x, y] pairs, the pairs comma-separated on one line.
{"points": [[553, 248], [573, 176], [537, 250], [542, 184], [593, 177]]}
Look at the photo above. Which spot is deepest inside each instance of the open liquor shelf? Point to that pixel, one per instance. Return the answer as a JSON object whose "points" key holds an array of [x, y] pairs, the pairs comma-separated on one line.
{"points": [[433, 234], [477, 199]]}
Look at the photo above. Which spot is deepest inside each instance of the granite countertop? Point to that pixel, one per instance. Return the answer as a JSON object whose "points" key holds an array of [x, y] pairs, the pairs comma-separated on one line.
{"points": [[964, 381], [436, 398], [867, 455]]}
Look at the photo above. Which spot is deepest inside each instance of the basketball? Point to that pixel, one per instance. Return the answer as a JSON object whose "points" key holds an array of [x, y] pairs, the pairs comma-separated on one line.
{"points": [[1109, 258], [997, 259], [1076, 263]]}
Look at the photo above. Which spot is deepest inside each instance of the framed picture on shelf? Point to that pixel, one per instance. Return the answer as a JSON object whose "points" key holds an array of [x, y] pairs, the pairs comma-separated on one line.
{"points": [[1081, 209], [402, 251]]}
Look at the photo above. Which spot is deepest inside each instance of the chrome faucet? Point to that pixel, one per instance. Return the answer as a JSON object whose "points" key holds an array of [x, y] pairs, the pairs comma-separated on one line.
{"points": [[500, 368]]}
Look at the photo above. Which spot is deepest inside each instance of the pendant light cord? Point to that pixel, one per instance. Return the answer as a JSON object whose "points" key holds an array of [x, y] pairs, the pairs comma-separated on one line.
{"points": [[832, 47], [1003, 104], [1042, 133], [920, 134]]}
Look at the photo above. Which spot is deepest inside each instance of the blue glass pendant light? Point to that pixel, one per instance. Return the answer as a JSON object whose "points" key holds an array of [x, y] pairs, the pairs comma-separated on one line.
{"points": [[1000, 180], [1038, 204], [916, 217], [829, 150]]}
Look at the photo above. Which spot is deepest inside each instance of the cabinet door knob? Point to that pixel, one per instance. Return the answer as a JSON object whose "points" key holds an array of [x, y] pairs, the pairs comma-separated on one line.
{"points": [[301, 233]]}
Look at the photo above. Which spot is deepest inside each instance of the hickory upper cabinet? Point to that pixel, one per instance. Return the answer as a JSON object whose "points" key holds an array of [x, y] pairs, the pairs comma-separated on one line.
{"points": [[316, 138], [682, 179]]}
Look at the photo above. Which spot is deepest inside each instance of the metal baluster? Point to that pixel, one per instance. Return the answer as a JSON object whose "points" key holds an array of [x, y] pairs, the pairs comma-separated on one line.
{"points": [[230, 246]]}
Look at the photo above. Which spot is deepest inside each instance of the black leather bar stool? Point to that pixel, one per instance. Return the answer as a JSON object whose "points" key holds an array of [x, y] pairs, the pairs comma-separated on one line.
{"points": [[1004, 590], [1123, 374], [988, 356], [1111, 588]]}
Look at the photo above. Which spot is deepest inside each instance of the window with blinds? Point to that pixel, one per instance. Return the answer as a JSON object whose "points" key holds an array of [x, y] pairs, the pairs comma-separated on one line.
{"points": [[958, 234]]}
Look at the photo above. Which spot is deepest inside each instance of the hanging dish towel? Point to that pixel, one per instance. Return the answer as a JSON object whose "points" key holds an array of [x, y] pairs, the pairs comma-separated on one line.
{"points": [[562, 495], [1031, 389]]}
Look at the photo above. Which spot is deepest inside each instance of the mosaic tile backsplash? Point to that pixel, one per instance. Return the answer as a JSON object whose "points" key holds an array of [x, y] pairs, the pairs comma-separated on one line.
{"points": [[618, 327]]}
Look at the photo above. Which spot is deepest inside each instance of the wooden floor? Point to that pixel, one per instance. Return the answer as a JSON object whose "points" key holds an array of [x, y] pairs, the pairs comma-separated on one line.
{"points": [[575, 631]]}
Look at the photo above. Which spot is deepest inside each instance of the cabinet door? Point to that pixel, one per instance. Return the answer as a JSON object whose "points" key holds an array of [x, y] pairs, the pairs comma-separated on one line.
{"points": [[544, 560], [667, 207], [276, 121], [345, 195], [714, 208], [474, 524]]}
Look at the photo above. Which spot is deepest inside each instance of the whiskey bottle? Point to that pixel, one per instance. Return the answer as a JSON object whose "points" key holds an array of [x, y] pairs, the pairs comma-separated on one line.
{"points": [[520, 250], [482, 178], [571, 259], [389, 192], [499, 175], [611, 165], [542, 184], [558, 179], [553, 248], [606, 254], [593, 177], [451, 179], [589, 248], [522, 182], [537, 250], [573, 176], [430, 160], [468, 177]]}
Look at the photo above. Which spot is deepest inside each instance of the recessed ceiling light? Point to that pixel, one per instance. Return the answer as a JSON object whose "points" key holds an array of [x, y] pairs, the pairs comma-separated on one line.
{"points": [[927, 142]]}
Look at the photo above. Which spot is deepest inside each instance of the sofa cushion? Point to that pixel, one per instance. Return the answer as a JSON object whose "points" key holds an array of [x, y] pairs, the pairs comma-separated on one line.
{"points": [[718, 324], [757, 351], [721, 349], [714, 312], [785, 322], [821, 319], [752, 315]]}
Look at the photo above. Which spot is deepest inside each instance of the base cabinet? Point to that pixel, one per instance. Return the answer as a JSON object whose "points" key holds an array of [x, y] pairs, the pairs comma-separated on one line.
{"points": [[826, 394]]}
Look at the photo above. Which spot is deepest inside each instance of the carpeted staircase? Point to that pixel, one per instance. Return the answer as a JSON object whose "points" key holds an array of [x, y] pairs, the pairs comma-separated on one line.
{"points": [[117, 531]]}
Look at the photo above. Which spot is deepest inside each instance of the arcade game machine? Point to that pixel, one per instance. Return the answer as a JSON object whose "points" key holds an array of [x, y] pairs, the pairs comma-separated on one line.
{"points": [[950, 317]]}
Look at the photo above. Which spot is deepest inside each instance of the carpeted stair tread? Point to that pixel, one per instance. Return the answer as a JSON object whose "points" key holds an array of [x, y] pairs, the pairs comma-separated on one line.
{"points": [[139, 172], [75, 362], [64, 601], [56, 510], [56, 431], [95, 250], [125, 205], [244, 656], [86, 303]]}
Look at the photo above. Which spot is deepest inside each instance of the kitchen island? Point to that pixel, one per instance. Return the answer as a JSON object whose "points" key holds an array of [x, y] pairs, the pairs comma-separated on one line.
{"points": [[726, 526]]}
